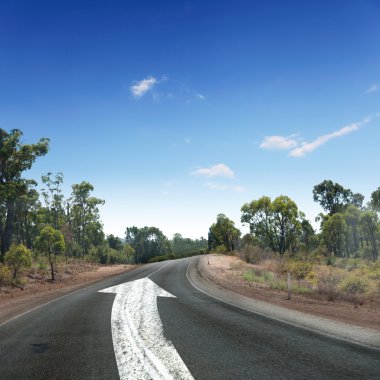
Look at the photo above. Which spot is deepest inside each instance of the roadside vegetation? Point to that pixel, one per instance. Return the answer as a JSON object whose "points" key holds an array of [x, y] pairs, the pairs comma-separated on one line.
{"points": [[47, 236], [338, 262]]}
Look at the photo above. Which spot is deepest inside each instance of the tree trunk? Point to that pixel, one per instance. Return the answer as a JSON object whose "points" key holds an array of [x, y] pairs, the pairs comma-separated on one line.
{"points": [[6, 236], [52, 269]]}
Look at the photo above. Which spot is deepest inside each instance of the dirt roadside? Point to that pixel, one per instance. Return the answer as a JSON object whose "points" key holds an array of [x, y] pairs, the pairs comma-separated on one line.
{"points": [[227, 272], [17, 301]]}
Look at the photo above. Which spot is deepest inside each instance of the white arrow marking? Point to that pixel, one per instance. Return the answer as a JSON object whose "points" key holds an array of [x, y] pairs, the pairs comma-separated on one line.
{"points": [[141, 350]]}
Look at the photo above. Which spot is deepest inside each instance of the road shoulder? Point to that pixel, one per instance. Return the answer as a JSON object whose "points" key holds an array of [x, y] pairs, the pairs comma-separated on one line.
{"points": [[18, 302], [340, 330]]}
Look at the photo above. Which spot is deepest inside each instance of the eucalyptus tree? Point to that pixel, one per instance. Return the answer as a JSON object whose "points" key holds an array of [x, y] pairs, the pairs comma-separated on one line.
{"points": [[334, 232], [26, 222], [375, 200], [223, 232], [15, 158], [147, 242], [84, 216], [352, 215], [53, 198], [333, 197], [276, 224], [50, 243], [369, 223]]}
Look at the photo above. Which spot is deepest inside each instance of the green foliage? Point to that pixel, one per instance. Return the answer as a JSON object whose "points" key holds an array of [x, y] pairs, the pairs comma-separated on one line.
{"points": [[147, 242], [50, 243], [258, 276], [18, 257], [298, 269], [221, 249], [5, 275], [375, 200], [157, 259], [333, 197], [223, 232], [276, 224], [334, 231], [354, 285], [15, 158], [181, 245]]}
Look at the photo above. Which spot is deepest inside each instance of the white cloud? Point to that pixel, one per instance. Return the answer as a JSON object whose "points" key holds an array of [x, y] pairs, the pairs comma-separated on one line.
{"points": [[140, 88], [278, 142], [374, 87], [218, 186], [219, 170], [298, 147], [306, 148], [201, 97]]}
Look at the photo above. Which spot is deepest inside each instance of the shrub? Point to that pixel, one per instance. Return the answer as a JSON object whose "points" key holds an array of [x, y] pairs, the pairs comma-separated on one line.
{"points": [[298, 269], [278, 284], [157, 259], [355, 285], [328, 279], [5, 275], [18, 257], [254, 254], [221, 249], [257, 275]]}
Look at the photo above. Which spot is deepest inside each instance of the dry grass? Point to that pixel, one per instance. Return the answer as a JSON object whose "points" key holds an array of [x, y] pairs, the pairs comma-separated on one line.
{"points": [[353, 280]]}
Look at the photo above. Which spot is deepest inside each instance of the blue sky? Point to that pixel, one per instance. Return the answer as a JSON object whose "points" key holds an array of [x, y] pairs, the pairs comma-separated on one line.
{"points": [[179, 110]]}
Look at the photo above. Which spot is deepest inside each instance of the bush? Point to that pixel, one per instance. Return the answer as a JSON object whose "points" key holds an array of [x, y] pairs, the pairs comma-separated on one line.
{"points": [[354, 285], [328, 279], [157, 259], [298, 269], [221, 249], [254, 254], [18, 257], [5, 275]]}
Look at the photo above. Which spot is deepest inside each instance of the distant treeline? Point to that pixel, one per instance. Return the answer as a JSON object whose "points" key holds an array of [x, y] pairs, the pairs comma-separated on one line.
{"points": [[348, 228], [36, 219]]}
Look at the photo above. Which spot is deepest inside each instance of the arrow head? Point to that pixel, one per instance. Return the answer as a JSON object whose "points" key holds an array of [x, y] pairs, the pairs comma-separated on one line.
{"points": [[136, 286]]}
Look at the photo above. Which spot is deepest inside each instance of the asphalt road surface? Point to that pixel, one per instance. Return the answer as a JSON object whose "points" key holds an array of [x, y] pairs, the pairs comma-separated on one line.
{"points": [[71, 338]]}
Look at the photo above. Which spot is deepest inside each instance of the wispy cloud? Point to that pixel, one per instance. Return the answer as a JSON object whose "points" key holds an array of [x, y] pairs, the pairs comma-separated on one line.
{"points": [[187, 140], [374, 87], [306, 148], [278, 142], [219, 170], [201, 97], [298, 147], [219, 186], [143, 86]]}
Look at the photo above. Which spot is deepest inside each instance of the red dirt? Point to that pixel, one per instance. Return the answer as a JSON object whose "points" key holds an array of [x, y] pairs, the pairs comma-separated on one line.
{"points": [[15, 301]]}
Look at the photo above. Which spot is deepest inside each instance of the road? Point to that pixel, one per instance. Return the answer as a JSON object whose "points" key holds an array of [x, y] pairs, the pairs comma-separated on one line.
{"points": [[71, 338]]}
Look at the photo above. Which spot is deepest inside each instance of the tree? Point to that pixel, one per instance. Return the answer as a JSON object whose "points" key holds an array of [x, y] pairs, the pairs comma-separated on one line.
{"points": [[369, 222], [351, 216], [114, 242], [84, 217], [307, 236], [275, 224], [333, 197], [224, 232], [182, 246], [50, 243], [375, 200], [334, 232], [53, 198], [147, 242], [18, 257], [15, 158]]}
